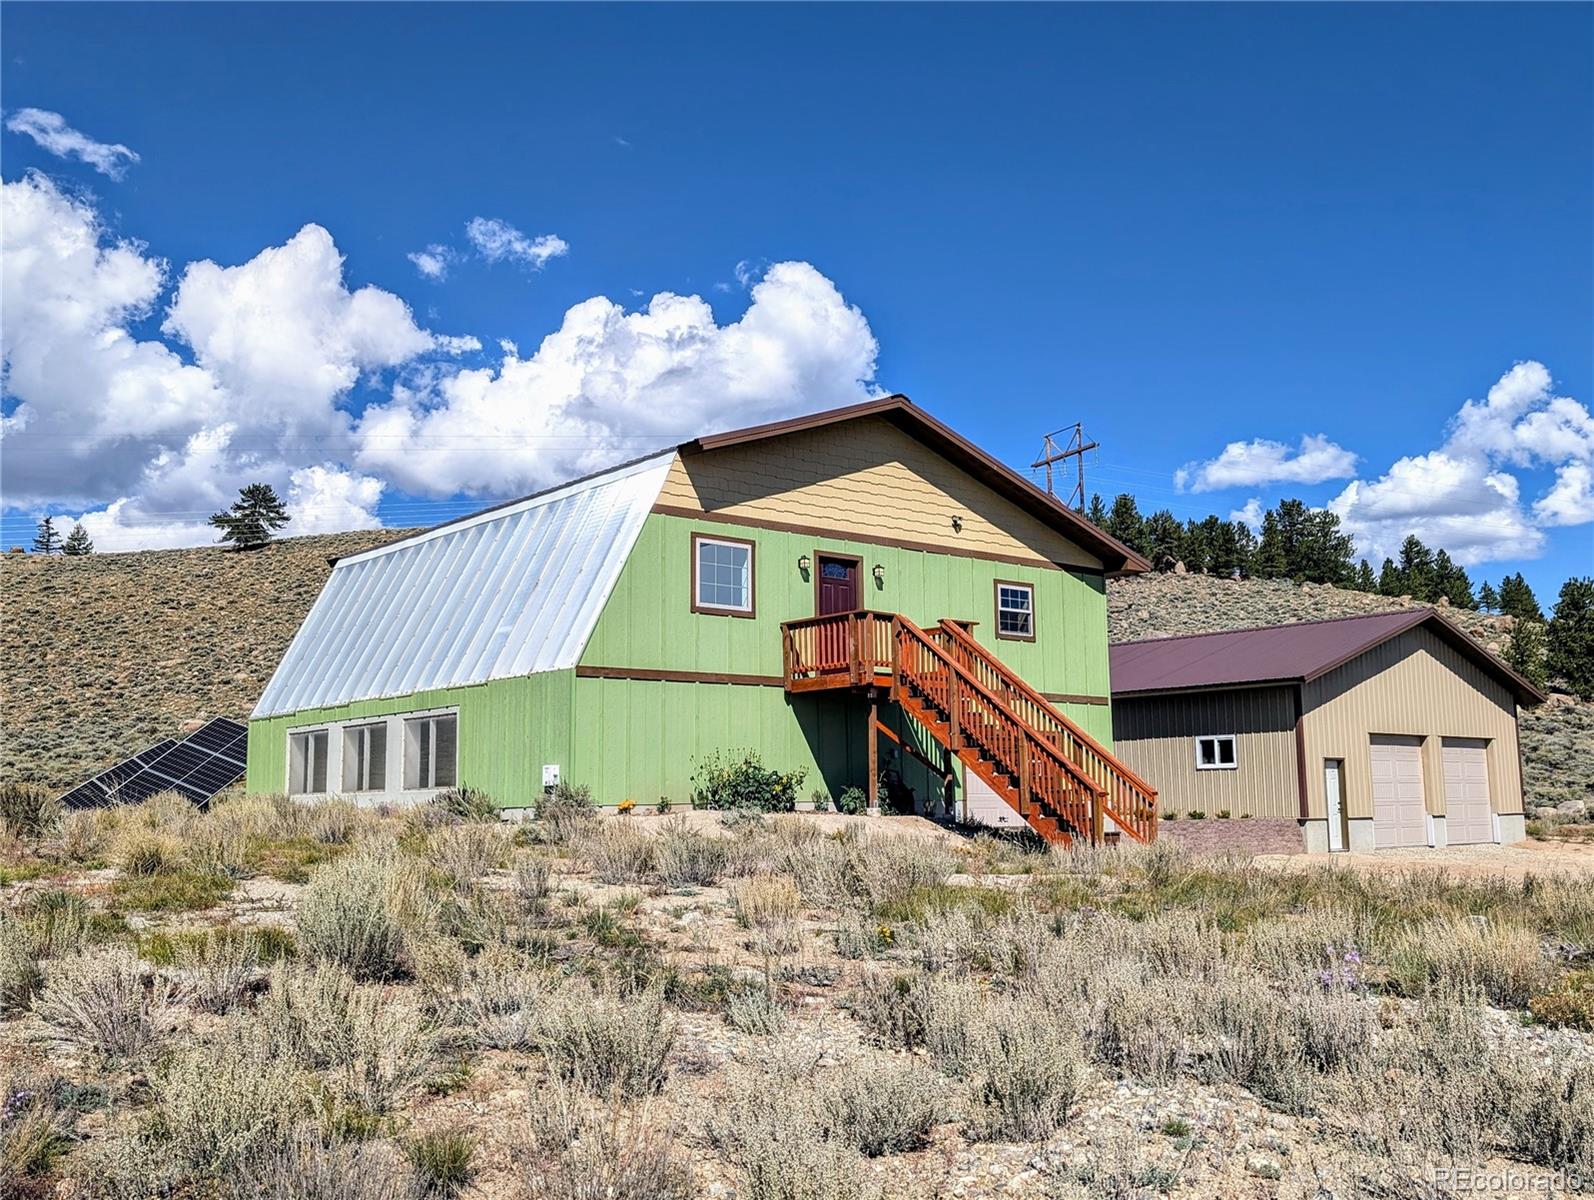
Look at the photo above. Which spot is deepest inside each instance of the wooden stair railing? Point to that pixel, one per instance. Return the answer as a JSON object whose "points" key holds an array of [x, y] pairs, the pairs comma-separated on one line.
{"points": [[1129, 800], [1019, 763]]}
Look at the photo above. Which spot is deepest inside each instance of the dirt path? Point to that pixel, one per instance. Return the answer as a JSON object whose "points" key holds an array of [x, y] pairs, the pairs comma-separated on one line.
{"points": [[1507, 862]]}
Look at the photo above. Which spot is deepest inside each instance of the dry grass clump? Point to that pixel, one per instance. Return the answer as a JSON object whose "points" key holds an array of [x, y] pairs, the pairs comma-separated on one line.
{"points": [[306, 1167], [533, 883], [608, 1045], [27, 810], [33, 1133], [754, 1010], [1026, 1073], [609, 1157], [347, 914], [218, 1105], [683, 857], [216, 970], [99, 1003], [883, 1104], [768, 905], [497, 1001], [934, 1012], [444, 1161], [47, 925], [1501, 960], [465, 852], [617, 850]]}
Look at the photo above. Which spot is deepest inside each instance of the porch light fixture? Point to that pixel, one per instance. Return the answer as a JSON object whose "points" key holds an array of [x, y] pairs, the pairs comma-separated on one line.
{"points": [[879, 573], [804, 563], [957, 524]]}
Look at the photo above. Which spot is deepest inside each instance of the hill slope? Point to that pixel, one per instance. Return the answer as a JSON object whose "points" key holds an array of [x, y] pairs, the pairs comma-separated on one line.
{"points": [[102, 655]]}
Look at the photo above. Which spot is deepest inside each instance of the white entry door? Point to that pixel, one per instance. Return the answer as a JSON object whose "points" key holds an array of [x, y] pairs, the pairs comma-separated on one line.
{"points": [[1336, 804], [1468, 817], [1399, 815]]}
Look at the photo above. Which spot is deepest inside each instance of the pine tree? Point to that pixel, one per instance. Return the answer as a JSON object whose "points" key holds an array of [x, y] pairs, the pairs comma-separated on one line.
{"points": [[1163, 539], [1487, 599], [1390, 580], [1526, 651], [1322, 552], [77, 542], [1270, 560], [1452, 582], [1097, 513], [1125, 523], [48, 539], [1224, 553], [254, 516], [1244, 548], [1417, 569], [1366, 581], [1571, 637], [1517, 599]]}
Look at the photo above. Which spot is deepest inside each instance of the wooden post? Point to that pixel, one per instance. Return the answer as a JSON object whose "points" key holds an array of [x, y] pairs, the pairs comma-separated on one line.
{"points": [[954, 731], [1023, 776], [874, 754]]}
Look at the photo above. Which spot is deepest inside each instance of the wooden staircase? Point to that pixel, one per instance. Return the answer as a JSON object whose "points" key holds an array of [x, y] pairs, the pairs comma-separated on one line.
{"points": [[1062, 782]]}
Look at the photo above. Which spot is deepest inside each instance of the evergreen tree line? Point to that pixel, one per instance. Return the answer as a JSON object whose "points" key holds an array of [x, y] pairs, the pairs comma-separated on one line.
{"points": [[1308, 546], [251, 521]]}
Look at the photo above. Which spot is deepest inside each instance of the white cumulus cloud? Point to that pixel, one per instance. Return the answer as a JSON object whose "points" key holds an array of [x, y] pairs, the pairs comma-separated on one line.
{"points": [[497, 240], [434, 261], [1261, 461], [610, 384], [51, 131], [1464, 495]]}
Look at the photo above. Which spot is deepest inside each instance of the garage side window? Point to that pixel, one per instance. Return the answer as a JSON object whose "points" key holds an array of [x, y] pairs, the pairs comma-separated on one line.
{"points": [[430, 745], [1015, 611], [307, 762], [722, 575], [365, 758], [1215, 752]]}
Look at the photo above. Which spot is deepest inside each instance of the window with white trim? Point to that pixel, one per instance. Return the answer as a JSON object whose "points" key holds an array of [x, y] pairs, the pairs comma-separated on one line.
{"points": [[1015, 611], [307, 762], [722, 575], [430, 746], [1215, 752], [365, 757]]}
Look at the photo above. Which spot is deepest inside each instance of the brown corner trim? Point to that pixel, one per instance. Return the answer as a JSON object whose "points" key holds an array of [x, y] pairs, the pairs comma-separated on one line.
{"points": [[655, 675], [874, 539], [1300, 761], [1074, 698]]}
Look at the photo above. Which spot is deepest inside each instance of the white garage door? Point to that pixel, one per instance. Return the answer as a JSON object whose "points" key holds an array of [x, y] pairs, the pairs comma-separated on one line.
{"points": [[1467, 814], [1399, 818]]}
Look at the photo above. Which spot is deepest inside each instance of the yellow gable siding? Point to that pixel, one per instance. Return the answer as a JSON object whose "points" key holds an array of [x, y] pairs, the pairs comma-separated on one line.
{"points": [[868, 479]]}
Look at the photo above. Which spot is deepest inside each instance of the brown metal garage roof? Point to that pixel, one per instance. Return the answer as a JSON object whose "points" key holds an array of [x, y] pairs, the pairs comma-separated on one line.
{"points": [[1295, 653]]}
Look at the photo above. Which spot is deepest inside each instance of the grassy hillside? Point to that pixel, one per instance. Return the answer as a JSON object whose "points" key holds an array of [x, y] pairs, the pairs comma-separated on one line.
{"points": [[102, 655]]}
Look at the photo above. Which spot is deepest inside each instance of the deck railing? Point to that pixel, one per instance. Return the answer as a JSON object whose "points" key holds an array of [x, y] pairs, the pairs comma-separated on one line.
{"points": [[839, 650]]}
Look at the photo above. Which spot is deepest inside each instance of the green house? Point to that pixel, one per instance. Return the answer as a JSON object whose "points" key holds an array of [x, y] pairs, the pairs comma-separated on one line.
{"points": [[861, 594]]}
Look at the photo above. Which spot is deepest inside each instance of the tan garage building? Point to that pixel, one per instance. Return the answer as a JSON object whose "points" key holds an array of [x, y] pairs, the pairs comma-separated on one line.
{"points": [[1394, 729]]}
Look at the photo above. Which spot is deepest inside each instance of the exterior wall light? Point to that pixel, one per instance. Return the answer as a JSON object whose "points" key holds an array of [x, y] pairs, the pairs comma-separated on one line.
{"points": [[879, 573], [957, 524], [804, 563]]}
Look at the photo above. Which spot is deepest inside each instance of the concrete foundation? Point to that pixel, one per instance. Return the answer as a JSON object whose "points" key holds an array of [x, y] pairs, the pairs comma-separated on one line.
{"points": [[1362, 838], [1512, 826]]}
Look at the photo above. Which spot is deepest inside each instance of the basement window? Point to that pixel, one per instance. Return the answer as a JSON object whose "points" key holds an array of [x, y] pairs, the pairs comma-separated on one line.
{"points": [[722, 575], [365, 758], [1215, 753], [430, 746], [1015, 611], [307, 762]]}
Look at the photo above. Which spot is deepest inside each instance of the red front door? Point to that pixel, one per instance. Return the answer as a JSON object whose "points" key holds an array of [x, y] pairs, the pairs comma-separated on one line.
{"points": [[838, 585]]}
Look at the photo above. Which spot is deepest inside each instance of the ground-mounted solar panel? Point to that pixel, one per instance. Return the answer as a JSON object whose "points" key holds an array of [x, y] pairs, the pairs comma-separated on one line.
{"points": [[208, 760]]}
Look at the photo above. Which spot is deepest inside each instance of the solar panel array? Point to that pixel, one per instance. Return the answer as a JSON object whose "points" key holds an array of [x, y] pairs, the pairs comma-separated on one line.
{"points": [[202, 764]]}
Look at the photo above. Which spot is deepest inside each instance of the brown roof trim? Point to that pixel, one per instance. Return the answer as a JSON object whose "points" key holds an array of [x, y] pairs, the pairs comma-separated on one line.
{"points": [[1524, 688], [913, 420]]}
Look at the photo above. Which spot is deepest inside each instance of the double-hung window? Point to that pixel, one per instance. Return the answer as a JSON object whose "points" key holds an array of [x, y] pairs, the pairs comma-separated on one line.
{"points": [[307, 762], [430, 746], [365, 757], [722, 575], [1015, 611], [1215, 752]]}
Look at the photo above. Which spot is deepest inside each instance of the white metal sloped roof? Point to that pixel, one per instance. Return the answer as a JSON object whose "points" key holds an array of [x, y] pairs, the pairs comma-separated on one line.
{"points": [[511, 591]]}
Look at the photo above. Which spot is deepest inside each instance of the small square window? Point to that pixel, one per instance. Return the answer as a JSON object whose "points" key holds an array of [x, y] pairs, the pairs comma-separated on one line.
{"points": [[1216, 752], [430, 747], [307, 762], [1015, 611], [365, 758], [722, 575]]}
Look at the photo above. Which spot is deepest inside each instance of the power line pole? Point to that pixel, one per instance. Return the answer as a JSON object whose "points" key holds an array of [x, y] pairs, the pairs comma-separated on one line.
{"points": [[1052, 453]]}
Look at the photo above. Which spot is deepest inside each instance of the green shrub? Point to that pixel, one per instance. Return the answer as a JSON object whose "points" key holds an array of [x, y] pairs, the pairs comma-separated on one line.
{"points": [[442, 1160], [27, 810], [744, 782], [564, 812], [853, 801], [181, 890], [882, 1105], [618, 851], [684, 857], [465, 804], [1025, 1076], [754, 1010], [346, 916], [1569, 1003]]}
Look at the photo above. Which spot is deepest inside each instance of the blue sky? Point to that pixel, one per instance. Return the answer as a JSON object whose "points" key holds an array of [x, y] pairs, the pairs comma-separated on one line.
{"points": [[1188, 226]]}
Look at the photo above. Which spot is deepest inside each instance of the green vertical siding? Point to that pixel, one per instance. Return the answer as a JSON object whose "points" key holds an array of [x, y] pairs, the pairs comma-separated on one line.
{"points": [[648, 620], [507, 729]]}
